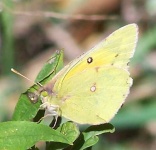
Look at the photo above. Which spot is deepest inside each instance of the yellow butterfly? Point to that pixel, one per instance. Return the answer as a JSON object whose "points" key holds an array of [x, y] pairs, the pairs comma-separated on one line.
{"points": [[92, 88]]}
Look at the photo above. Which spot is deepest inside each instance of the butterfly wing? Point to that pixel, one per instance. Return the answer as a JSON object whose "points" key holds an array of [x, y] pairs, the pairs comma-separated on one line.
{"points": [[103, 69], [116, 49], [93, 96]]}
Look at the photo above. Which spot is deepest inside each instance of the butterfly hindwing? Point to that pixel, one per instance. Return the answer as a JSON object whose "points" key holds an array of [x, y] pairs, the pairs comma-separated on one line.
{"points": [[94, 95]]}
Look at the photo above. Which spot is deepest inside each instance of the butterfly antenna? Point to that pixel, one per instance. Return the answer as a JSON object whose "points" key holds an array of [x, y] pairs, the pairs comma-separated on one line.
{"points": [[16, 72]]}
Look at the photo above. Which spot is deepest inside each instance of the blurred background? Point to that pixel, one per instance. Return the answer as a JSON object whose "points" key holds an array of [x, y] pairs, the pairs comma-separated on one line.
{"points": [[32, 30]]}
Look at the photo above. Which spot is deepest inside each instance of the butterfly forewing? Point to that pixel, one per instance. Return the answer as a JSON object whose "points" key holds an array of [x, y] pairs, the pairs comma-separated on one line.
{"points": [[116, 49]]}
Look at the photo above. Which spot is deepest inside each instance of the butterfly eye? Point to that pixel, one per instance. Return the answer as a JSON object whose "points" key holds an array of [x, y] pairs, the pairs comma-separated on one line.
{"points": [[44, 93], [89, 60]]}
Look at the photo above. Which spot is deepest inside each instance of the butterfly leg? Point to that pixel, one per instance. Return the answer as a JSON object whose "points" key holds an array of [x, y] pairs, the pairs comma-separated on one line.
{"points": [[54, 111], [51, 110]]}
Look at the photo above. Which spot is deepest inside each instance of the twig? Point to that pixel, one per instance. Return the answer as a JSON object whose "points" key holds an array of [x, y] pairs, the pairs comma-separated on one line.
{"points": [[61, 16]]}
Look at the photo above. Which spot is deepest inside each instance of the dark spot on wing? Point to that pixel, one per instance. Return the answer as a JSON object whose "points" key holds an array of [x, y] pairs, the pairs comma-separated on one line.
{"points": [[96, 69], [93, 88], [128, 82], [89, 60], [128, 64], [116, 55], [65, 98]]}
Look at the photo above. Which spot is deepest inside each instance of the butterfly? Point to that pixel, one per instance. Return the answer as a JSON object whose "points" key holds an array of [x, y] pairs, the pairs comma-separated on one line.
{"points": [[92, 88]]}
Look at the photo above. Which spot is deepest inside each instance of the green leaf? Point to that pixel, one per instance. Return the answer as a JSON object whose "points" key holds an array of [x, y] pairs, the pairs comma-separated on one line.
{"points": [[68, 129], [21, 135], [51, 67], [100, 129], [89, 141], [89, 137], [25, 109]]}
